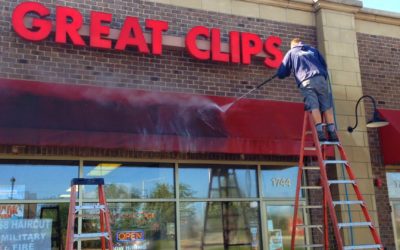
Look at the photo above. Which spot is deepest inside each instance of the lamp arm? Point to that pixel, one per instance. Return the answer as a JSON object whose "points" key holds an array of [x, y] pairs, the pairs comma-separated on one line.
{"points": [[350, 129]]}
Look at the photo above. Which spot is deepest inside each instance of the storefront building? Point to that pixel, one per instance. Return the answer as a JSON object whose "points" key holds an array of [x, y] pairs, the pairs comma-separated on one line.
{"points": [[136, 92]]}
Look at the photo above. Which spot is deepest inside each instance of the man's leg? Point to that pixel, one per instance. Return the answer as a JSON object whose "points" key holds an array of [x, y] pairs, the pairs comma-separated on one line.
{"points": [[312, 105], [316, 115], [328, 114], [330, 125]]}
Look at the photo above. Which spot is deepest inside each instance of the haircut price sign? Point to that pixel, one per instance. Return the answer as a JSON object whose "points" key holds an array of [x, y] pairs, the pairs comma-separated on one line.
{"points": [[25, 234]]}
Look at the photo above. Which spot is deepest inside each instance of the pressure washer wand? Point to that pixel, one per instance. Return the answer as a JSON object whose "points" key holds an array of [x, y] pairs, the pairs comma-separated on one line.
{"points": [[257, 87]]}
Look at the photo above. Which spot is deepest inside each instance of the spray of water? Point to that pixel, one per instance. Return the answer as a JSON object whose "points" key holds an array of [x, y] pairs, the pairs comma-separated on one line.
{"points": [[184, 115], [226, 107]]}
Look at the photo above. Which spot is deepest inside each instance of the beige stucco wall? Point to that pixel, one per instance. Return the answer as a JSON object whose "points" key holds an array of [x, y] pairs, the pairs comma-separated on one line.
{"points": [[337, 40], [301, 13]]}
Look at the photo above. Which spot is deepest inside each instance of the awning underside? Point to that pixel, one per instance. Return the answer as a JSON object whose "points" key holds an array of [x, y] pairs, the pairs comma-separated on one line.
{"points": [[52, 114], [390, 137]]}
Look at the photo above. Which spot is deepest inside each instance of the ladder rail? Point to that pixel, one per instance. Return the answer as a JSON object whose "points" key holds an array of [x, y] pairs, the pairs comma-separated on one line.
{"points": [[298, 185], [364, 207], [105, 218], [69, 244]]}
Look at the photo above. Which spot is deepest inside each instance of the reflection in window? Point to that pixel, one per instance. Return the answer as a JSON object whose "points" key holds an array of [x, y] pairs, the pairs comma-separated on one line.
{"points": [[131, 180], [396, 212], [279, 226], [393, 181], [30, 180], [217, 181], [150, 226], [21, 223], [279, 181], [220, 225]]}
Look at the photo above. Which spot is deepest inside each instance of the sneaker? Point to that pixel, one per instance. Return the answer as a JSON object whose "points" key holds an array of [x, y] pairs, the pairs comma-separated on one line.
{"points": [[321, 136], [332, 136]]}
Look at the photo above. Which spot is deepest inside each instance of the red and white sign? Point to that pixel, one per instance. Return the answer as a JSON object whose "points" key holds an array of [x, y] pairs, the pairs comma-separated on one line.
{"points": [[69, 24]]}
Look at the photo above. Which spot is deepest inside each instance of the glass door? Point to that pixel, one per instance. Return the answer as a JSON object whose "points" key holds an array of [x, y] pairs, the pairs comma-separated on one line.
{"points": [[279, 226]]}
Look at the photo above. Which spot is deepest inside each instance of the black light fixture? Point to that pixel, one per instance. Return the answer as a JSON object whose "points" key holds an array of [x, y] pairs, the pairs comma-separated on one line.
{"points": [[376, 121], [12, 180]]}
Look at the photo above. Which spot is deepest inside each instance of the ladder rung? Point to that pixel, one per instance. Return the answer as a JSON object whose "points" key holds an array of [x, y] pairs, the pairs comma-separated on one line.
{"points": [[87, 216], [330, 143], [310, 148], [375, 246], [308, 132], [341, 182], [90, 236], [348, 203], [90, 207], [311, 187], [310, 206], [326, 162], [310, 245], [311, 168], [309, 226], [355, 224]]}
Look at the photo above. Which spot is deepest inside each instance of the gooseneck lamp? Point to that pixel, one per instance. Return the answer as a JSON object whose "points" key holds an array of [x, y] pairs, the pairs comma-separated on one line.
{"points": [[375, 122]]}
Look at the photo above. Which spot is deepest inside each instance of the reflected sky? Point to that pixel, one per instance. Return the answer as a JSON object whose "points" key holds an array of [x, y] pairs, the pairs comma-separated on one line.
{"points": [[139, 180], [39, 181]]}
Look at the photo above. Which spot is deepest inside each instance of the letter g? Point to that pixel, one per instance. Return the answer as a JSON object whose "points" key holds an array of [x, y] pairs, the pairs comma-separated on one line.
{"points": [[41, 28]]}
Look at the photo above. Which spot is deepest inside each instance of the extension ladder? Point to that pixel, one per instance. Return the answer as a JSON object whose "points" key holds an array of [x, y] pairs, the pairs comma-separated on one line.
{"points": [[101, 207], [320, 149]]}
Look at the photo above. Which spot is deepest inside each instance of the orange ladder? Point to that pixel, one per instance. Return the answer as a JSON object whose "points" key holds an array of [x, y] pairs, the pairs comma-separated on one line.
{"points": [[328, 203], [104, 214]]}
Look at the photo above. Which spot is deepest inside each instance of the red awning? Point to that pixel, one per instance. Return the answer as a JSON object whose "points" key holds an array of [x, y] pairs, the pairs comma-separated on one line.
{"points": [[35, 113], [390, 136]]}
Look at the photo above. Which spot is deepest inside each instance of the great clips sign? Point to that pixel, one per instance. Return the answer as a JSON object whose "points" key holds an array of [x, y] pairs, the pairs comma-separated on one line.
{"points": [[69, 26]]}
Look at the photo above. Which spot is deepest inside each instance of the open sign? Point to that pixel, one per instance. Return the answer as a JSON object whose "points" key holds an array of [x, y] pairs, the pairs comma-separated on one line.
{"points": [[130, 236]]}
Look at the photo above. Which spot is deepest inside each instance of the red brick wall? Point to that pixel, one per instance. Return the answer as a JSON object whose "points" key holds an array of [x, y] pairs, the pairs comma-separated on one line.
{"points": [[380, 76], [174, 71]]}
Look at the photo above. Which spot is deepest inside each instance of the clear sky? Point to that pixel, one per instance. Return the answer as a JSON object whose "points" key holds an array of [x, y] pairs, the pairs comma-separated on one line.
{"points": [[388, 5]]}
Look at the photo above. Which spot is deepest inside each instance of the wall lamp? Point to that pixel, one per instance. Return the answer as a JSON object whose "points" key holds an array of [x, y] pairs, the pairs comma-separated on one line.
{"points": [[375, 122]]}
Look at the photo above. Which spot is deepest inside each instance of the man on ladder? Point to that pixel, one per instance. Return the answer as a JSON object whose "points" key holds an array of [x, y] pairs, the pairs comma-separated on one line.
{"points": [[310, 71]]}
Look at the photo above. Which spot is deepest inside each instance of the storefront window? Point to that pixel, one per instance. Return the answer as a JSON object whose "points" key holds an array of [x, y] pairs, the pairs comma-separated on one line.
{"points": [[393, 181], [148, 226], [131, 180], [279, 182], [396, 215], [33, 226], [36, 180], [217, 181], [279, 226], [220, 225]]}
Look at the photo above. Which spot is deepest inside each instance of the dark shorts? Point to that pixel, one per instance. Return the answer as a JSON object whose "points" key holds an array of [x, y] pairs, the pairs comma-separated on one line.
{"points": [[316, 94]]}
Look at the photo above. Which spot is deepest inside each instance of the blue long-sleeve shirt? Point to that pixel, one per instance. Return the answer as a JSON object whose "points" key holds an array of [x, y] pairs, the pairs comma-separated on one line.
{"points": [[304, 61]]}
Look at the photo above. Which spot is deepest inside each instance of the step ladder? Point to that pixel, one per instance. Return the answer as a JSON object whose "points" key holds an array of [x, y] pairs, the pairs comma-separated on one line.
{"points": [[226, 186], [328, 204], [101, 208]]}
